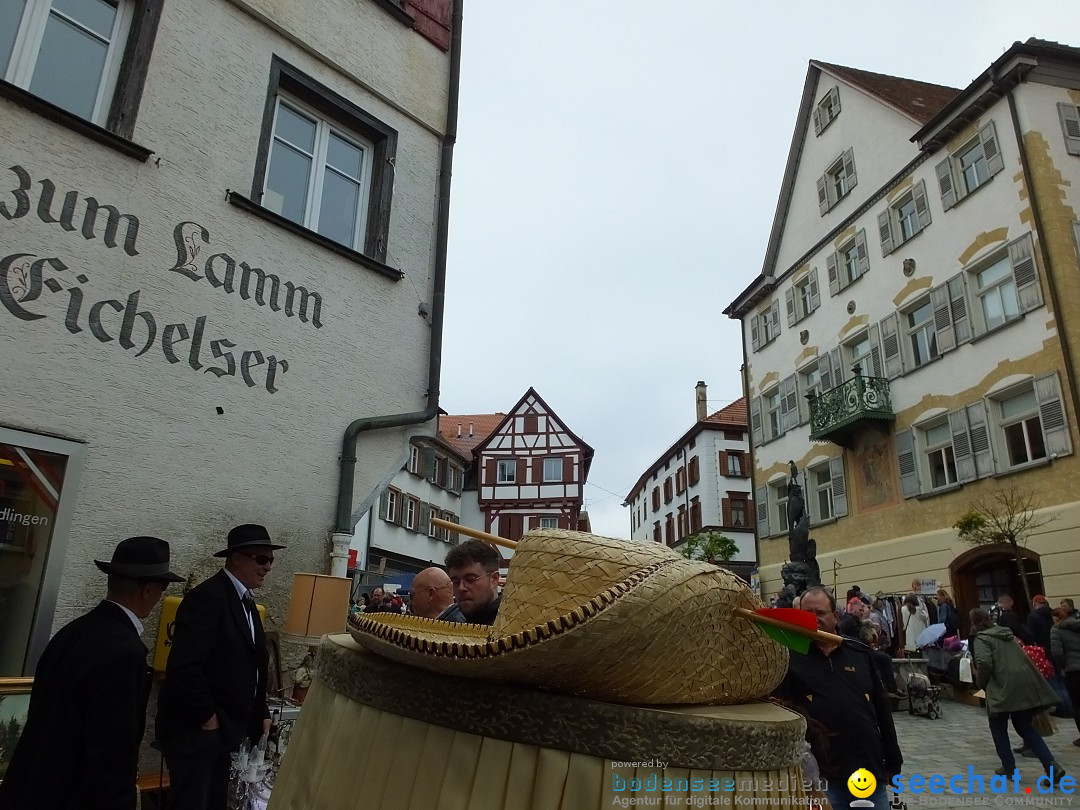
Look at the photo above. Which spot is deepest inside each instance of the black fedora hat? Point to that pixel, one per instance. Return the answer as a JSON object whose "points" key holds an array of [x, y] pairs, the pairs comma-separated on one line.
{"points": [[247, 534], [140, 558]]}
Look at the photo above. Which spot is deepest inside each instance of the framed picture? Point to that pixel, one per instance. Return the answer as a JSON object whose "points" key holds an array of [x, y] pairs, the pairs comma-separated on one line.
{"points": [[14, 704]]}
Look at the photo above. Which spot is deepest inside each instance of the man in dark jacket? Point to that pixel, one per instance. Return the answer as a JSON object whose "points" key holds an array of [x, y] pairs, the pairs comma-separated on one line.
{"points": [[473, 567], [838, 686], [1006, 618], [214, 694], [1039, 622], [80, 746]]}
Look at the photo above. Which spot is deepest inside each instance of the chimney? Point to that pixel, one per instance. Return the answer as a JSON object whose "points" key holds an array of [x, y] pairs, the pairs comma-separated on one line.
{"points": [[470, 429], [700, 400]]}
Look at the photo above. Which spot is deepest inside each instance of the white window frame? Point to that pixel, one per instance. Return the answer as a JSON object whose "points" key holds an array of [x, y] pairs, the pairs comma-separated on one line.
{"points": [[923, 333], [952, 181], [779, 505], [433, 530], [415, 463], [837, 182], [997, 289], [819, 489], [324, 127], [393, 499], [891, 221], [548, 522], [827, 110], [734, 464], [556, 477], [1024, 422], [771, 415], [409, 516], [501, 467], [848, 263], [810, 382], [27, 49], [943, 448]]}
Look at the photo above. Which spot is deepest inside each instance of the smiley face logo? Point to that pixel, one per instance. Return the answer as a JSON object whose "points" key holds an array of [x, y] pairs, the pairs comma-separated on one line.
{"points": [[862, 783]]}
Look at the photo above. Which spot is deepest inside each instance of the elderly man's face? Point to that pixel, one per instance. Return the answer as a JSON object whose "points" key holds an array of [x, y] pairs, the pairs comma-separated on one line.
{"points": [[858, 610], [818, 603]]}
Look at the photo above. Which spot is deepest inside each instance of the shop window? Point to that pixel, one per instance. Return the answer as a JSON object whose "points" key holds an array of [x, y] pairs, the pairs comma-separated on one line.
{"points": [[38, 481]]}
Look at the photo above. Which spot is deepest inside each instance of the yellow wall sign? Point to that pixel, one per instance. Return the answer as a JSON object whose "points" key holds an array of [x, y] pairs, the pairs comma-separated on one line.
{"points": [[165, 629]]}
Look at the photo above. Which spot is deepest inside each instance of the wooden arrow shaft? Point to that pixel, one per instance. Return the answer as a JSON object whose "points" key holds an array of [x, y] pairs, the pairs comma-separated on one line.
{"points": [[479, 535], [818, 635]]}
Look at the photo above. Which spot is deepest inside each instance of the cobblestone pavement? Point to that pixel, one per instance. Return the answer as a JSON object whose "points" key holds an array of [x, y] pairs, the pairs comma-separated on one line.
{"points": [[961, 737]]}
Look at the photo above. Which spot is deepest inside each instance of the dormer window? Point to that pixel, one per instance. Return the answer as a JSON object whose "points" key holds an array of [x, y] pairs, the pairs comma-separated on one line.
{"points": [[826, 110], [837, 182]]}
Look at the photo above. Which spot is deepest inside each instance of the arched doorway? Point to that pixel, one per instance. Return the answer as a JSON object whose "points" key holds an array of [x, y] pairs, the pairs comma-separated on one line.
{"points": [[982, 574]]}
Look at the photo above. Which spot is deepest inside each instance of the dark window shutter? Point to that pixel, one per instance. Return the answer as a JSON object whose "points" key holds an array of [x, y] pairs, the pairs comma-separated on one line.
{"points": [[958, 303], [890, 346], [1070, 125], [761, 499], [723, 463], [1025, 273], [884, 223], [945, 183], [943, 322], [725, 509], [693, 472], [522, 470], [490, 476], [384, 502], [1052, 415], [922, 206], [839, 486], [909, 469], [834, 276], [538, 469], [961, 444], [849, 168], [980, 439], [568, 469], [531, 423], [425, 518], [695, 516], [429, 463], [994, 162]]}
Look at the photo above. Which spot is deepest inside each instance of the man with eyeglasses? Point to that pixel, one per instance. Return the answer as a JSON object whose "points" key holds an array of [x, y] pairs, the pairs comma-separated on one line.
{"points": [[214, 694], [473, 567], [433, 596]]}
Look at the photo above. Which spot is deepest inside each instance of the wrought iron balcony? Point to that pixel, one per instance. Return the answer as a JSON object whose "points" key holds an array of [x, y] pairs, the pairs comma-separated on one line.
{"points": [[838, 414]]}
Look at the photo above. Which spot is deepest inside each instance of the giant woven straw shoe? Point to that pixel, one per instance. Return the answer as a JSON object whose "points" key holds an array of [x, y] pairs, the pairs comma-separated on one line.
{"points": [[605, 619]]}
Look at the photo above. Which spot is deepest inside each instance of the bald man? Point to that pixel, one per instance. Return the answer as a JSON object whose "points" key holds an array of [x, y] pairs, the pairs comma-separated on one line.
{"points": [[433, 596]]}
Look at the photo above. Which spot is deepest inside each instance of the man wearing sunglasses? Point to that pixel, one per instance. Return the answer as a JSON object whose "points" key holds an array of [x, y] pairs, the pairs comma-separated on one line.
{"points": [[473, 567], [214, 694]]}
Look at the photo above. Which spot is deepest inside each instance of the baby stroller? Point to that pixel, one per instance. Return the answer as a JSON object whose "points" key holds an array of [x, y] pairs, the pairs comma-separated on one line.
{"points": [[923, 697]]}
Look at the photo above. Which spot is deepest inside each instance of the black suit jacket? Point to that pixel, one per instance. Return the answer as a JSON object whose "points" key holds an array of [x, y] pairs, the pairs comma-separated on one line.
{"points": [[214, 668], [80, 747]]}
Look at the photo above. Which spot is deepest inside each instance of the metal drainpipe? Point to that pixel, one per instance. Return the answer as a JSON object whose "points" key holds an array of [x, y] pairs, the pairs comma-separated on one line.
{"points": [[1051, 283], [343, 528]]}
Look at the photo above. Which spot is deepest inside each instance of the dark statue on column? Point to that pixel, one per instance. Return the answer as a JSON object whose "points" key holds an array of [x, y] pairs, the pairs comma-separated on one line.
{"points": [[801, 571]]}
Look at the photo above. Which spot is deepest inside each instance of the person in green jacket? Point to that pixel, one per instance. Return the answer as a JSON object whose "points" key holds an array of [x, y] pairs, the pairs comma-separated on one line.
{"points": [[1014, 691], [1065, 650]]}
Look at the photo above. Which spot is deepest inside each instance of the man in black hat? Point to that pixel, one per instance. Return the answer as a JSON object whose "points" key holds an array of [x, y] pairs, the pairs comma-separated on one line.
{"points": [[80, 745], [214, 695]]}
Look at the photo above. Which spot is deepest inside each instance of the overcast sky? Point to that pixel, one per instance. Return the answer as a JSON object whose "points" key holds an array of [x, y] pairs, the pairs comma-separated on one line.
{"points": [[615, 178]]}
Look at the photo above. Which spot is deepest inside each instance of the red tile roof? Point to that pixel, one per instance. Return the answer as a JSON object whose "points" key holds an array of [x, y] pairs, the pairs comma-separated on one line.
{"points": [[733, 414], [481, 425], [918, 100]]}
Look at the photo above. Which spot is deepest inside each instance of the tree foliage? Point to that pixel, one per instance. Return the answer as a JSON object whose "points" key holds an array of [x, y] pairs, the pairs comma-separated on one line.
{"points": [[1006, 517], [709, 546]]}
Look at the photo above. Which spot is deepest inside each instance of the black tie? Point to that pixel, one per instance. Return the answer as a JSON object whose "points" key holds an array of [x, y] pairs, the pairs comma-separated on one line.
{"points": [[252, 611]]}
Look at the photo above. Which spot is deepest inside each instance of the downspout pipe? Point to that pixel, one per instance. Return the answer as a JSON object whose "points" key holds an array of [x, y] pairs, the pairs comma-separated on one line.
{"points": [[343, 526], [1044, 250]]}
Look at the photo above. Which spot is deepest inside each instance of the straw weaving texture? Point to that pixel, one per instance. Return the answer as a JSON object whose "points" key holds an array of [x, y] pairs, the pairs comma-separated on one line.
{"points": [[606, 619]]}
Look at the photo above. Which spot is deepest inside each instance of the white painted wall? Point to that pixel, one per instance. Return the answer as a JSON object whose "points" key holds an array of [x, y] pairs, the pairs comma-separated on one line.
{"points": [[159, 459]]}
